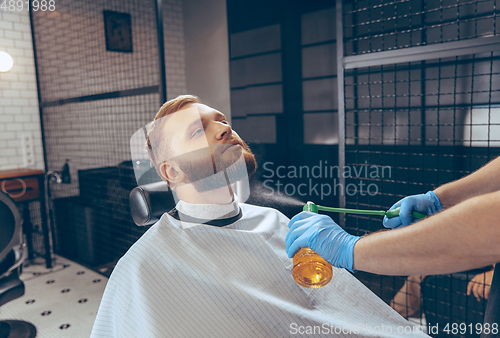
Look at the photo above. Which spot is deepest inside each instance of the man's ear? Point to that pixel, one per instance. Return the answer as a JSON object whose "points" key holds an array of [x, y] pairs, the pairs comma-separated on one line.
{"points": [[172, 172]]}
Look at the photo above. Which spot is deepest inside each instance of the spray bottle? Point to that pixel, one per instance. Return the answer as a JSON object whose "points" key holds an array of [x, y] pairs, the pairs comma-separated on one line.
{"points": [[309, 269], [312, 271]]}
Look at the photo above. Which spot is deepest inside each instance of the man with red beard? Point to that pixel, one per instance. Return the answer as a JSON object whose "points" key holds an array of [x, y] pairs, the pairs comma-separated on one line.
{"points": [[208, 157], [216, 267]]}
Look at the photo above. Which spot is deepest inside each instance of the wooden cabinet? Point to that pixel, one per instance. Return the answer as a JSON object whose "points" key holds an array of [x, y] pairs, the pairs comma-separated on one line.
{"points": [[21, 189], [21, 184]]}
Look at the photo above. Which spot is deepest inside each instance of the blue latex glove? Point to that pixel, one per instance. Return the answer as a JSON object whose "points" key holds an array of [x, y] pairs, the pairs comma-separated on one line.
{"points": [[425, 203], [323, 235]]}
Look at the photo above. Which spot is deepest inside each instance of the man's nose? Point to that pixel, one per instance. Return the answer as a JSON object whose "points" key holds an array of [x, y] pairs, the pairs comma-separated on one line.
{"points": [[224, 131]]}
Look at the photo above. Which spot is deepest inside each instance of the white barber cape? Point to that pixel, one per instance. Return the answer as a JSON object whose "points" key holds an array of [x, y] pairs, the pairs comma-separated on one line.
{"points": [[196, 280]]}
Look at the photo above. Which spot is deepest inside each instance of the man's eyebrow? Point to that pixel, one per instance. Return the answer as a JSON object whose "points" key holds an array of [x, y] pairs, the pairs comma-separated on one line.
{"points": [[220, 115]]}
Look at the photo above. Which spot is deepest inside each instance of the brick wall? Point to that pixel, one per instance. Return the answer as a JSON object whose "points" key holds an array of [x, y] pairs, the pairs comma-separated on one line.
{"points": [[19, 115]]}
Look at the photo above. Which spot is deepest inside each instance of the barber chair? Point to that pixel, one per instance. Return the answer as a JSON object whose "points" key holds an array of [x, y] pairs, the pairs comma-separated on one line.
{"points": [[12, 255], [149, 202]]}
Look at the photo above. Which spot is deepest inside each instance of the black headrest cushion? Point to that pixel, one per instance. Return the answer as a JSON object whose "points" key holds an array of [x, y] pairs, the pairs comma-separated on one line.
{"points": [[149, 202]]}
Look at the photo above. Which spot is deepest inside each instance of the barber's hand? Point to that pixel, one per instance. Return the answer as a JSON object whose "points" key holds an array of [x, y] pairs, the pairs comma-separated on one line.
{"points": [[323, 235], [425, 203], [480, 285]]}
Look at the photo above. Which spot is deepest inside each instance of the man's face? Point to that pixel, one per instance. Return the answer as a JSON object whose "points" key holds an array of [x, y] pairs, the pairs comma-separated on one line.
{"points": [[206, 149]]}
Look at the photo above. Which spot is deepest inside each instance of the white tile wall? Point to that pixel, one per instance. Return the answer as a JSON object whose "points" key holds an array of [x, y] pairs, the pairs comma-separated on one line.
{"points": [[19, 113]]}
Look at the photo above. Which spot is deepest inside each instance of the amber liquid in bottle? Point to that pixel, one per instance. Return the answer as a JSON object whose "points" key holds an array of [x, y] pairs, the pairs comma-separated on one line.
{"points": [[309, 269]]}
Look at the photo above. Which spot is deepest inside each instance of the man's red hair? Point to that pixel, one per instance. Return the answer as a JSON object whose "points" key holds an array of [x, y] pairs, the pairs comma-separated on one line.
{"points": [[156, 141]]}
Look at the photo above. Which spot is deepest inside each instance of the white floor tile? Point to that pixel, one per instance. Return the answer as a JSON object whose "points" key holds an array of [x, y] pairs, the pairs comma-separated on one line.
{"points": [[60, 302]]}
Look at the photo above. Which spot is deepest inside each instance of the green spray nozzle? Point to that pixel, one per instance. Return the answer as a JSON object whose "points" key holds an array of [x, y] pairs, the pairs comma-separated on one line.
{"points": [[310, 206]]}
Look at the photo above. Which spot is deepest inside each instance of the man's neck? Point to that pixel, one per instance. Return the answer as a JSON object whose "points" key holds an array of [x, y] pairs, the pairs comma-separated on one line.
{"points": [[189, 194]]}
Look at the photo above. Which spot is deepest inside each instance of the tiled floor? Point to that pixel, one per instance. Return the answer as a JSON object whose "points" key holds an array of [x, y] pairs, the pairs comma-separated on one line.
{"points": [[60, 302]]}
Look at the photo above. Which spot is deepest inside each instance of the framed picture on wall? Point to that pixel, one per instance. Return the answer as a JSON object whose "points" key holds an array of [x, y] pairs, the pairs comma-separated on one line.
{"points": [[118, 30]]}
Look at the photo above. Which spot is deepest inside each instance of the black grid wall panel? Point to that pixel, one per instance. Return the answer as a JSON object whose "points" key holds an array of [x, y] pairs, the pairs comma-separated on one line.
{"points": [[379, 25], [93, 100], [414, 126], [95, 136], [71, 49]]}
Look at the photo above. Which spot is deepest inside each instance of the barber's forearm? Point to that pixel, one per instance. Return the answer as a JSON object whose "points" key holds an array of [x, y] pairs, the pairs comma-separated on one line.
{"points": [[461, 238], [482, 181]]}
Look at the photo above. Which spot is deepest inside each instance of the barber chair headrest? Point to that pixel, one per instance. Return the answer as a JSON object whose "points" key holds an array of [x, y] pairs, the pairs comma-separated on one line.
{"points": [[149, 202]]}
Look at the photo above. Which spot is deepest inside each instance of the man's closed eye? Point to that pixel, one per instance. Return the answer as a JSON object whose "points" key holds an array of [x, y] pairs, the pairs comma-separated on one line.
{"points": [[197, 132]]}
